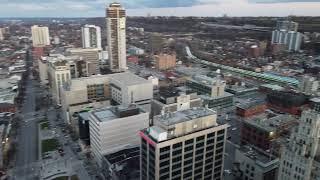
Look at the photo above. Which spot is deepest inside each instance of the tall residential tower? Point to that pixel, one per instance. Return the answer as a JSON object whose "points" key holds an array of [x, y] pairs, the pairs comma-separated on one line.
{"points": [[286, 33], [91, 36], [40, 36], [116, 37]]}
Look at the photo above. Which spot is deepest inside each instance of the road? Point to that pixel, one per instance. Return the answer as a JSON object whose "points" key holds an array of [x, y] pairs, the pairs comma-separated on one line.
{"points": [[232, 142], [27, 149]]}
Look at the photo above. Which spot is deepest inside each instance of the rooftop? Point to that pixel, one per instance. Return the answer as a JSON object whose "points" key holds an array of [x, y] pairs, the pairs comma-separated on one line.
{"points": [[261, 158], [271, 124], [205, 80], [183, 116], [251, 104], [128, 78], [115, 112]]}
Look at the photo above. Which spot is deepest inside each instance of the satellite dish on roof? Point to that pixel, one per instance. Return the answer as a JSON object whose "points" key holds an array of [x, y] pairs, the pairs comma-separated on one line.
{"points": [[218, 71]]}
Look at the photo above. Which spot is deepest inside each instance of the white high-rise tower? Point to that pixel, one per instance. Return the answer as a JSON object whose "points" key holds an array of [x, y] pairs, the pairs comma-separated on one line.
{"points": [[40, 36], [91, 36], [116, 37]]}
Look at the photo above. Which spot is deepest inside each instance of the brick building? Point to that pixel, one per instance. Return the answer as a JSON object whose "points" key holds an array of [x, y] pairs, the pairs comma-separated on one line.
{"points": [[251, 108], [263, 131], [165, 61]]}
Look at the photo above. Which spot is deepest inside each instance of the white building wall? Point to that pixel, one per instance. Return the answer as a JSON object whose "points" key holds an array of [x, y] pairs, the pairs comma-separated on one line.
{"points": [[40, 36], [87, 42], [110, 136], [121, 42], [43, 72]]}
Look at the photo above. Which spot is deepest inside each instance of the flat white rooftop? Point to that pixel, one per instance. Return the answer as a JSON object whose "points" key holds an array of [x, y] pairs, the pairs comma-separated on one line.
{"points": [[185, 115]]}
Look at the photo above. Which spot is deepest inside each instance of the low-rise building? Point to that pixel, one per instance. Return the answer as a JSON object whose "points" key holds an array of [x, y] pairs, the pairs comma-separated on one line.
{"points": [[251, 108], [171, 99], [211, 90], [113, 128], [254, 164], [262, 131], [165, 61], [123, 164]]}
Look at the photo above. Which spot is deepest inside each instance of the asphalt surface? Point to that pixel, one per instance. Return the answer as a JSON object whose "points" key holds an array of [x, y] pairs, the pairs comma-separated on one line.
{"points": [[233, 141], [27, 147]]}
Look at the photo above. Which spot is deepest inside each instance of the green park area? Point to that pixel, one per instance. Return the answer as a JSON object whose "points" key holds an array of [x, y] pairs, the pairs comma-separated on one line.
{"points": [[44, 125], [49, 145]]}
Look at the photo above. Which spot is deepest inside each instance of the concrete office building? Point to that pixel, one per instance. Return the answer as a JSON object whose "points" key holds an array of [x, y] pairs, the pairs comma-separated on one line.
{"points": [[172, 99], [43, 70], [91, 36], [114, 128], [40, 36], [77, 66], [58, 75], [2, 32], [186, 144], [211, 90], [116, 37], [254, 164], [92, 56], [120, 88], [309, 85], [286, 34], [300, 157]]}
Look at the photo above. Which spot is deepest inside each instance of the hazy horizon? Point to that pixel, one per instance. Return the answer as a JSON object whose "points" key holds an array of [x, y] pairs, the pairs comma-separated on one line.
{"points": [[212, 8]]}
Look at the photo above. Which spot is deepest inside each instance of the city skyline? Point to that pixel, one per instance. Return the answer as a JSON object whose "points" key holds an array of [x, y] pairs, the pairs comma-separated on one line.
{"points": [[86, 8]]}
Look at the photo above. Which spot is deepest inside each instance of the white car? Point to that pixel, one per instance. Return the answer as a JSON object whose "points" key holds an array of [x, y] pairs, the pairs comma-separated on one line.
{"points": [[227, 171], [233, 129]]}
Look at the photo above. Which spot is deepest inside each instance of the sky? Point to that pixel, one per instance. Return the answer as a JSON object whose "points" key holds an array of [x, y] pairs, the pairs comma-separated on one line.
{"points": [[96, 8]]}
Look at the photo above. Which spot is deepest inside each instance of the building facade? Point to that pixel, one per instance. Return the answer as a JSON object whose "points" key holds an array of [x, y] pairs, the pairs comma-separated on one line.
{"points": [[171, 100], [300, 157], [91, 36], [58, 75], [286, 33], [91, 56], [120, 88], [254, 164], [114, 128], [165, 61], [116, 37], [186, 144], [40, 36], [309, 85]]}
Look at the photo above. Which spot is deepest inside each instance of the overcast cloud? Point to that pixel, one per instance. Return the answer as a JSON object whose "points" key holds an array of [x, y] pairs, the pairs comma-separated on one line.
{"points": [[94, 8]]}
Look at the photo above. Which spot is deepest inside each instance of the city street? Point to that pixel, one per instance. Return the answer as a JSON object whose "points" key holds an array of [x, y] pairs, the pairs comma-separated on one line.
{"points": [[233, 140], [27, 148]]}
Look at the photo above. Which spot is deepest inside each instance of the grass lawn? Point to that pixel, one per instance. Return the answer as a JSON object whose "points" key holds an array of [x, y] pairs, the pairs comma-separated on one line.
{"points": [[74, 177], [44, 125], [62, 178], [49, 145]]}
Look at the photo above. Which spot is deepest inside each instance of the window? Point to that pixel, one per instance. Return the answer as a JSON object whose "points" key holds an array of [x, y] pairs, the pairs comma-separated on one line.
{"points": [[200, 138], [164, 163], [188, 155], [190, 141], [188, 148], [177, 145], [211, 135]]}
